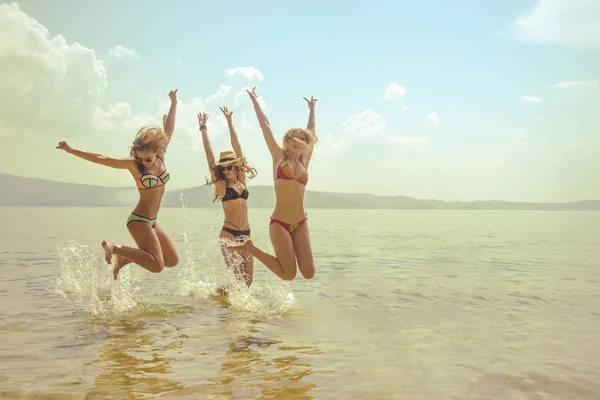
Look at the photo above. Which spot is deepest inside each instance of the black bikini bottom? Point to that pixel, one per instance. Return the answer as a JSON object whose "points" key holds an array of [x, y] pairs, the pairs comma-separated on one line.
{"points": [[235, 232]]}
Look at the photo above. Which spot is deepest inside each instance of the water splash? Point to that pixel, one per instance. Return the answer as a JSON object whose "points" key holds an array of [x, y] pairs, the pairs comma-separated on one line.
{"points": [[204, 270], [87, 282]]}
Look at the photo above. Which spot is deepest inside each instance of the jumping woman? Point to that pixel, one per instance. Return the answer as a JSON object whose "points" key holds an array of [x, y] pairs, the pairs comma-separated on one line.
{"points": [[146, 165], [288, 228], [229, 176]]}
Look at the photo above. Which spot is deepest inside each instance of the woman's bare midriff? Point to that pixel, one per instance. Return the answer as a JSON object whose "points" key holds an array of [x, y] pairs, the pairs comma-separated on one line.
{"points": [[149, 202], [289, 201], [236, 214]]}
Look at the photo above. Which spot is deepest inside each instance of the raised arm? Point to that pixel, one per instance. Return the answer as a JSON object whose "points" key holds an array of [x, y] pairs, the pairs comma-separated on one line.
{"points": [[235, 143], [169, 120], [311, 114], [119, 163], [311, 126], [274, 148], [210, 157]]}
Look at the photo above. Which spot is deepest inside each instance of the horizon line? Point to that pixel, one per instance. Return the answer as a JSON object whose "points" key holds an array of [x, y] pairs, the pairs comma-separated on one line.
{"points": [[316, 191]]}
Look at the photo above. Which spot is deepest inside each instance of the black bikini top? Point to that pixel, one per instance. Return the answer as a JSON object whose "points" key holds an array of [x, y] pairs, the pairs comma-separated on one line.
{"points": [[232, 194]]}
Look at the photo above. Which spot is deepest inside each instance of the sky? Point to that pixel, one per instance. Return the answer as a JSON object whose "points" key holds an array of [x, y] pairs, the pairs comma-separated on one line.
{"points": [[449, 100]]}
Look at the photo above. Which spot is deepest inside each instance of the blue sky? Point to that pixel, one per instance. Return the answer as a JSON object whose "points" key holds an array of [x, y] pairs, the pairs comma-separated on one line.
{"points": [[484, 106]]}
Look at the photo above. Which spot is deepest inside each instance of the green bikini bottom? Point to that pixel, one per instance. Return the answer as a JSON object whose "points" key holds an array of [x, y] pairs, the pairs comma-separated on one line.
{"points": [[134, 217]]}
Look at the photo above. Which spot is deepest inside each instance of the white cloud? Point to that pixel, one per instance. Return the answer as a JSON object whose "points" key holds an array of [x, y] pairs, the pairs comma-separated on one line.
{"points": [[531, 99], [577, 85], [220, 94], [47, 85], [123, 52], [432, 121], [395, 92], [368, 123], [240, 79], [242, 98], [118, 116], [243, 76], [226, 95], [569, 90], [560, 22], [55, 88], [232, 95], [331, 145], [187, 120]]}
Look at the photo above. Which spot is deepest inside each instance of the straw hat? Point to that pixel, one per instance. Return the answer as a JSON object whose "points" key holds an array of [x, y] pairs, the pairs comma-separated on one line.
{"points": [[226, 158]]}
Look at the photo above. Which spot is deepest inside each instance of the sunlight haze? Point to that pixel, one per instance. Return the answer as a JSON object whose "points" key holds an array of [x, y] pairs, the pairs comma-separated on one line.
{"points": [[459, 100]]}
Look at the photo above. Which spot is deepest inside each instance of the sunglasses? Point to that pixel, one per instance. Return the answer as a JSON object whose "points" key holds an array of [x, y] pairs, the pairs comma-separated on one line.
{"points": [[148, 160], [227, 168], [301, 138]]}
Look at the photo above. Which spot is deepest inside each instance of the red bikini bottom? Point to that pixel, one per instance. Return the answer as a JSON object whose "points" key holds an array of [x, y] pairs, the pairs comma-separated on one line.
{"points": [[291, 228]]}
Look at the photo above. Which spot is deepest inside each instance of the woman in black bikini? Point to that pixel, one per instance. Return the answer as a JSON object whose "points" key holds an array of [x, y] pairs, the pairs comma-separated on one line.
{"points": [[229, 176], [288, 227], [146, 164]]}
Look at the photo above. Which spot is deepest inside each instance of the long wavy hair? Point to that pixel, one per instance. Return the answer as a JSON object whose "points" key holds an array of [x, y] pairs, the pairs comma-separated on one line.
{"points": [[148, 138], [305, 137], [241, 168]]}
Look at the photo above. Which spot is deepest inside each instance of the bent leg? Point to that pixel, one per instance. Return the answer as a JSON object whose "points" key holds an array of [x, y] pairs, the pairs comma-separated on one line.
{"points": [[243, 270], [120, 263], [170, 256], [148, 255], [284, 263], [228, 258], [247, 268], [304, 254]]}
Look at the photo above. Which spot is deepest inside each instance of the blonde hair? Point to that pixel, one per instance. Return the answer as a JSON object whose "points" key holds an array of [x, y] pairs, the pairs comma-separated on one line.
{"points": [[148, 138], [241, 168], [295, 134]]}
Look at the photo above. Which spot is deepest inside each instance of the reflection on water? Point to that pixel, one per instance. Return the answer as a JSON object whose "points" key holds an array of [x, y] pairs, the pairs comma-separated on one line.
{"points": [[253, 365], [136, 360], [145, 353], [453, 306]]}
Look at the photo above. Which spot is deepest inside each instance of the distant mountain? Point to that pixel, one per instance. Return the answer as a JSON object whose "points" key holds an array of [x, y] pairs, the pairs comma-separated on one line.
{"points": [[32, 192]]}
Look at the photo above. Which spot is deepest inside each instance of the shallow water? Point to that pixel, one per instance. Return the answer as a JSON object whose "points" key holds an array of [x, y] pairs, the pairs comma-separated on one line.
{"points": [[404, 305]]}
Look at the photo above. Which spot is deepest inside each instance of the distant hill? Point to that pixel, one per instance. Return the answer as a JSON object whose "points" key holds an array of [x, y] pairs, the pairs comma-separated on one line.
{"points": [[32, 192]]}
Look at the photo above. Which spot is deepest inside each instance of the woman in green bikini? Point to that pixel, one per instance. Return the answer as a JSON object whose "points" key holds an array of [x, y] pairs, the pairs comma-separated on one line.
{"points": [[146, 164]]}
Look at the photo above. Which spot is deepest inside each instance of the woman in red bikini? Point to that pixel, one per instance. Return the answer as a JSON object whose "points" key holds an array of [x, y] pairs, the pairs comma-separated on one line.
{"points": [[288, 228], [146, 164], [229, 176]]}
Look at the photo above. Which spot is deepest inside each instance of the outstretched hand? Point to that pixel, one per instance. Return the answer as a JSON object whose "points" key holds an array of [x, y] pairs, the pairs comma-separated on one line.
{"points": [[173, 95], [226, 112], [202, 117], [252, 93], [64, 146], [311, 102]]}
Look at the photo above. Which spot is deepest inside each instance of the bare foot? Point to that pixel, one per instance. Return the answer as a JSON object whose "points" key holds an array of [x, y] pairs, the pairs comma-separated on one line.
{"points": [[244, 247], [109, 250], [116, 270], [119, 263]]}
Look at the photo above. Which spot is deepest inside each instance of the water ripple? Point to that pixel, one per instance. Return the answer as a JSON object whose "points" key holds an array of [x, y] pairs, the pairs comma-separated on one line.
{"points": [[419, 305]]}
